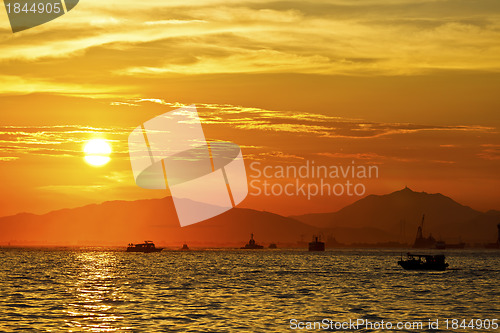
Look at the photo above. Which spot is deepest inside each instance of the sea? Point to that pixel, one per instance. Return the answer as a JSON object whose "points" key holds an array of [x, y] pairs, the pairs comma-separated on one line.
{"points": [[224, 290]]}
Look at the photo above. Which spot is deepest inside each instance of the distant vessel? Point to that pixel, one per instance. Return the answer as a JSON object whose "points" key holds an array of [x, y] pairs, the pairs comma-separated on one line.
{"points": [[316, 244], [252, 245], [273, 246], [185, 247], [423, 262], [497, 244], [441, 245], [420, 241], [332, 242], [146, 247], [460, 245]]}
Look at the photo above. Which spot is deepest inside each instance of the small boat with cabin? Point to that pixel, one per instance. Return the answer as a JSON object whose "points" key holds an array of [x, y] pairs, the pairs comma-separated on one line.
{"points": [[146, 247], [423, 262]]}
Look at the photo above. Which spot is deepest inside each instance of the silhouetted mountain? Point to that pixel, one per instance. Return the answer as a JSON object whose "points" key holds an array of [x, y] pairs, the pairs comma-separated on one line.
{"points": [[121, 222], [373, 219], [400, 212], [493, 212]]}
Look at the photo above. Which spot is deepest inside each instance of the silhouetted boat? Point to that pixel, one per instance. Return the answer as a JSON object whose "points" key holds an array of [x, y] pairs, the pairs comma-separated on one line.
{"points": [[252, 245], [423, 262], [185, 247], [332, 242], [460, 245], [422, 242], [146, 247], [273, 246], [440, 245], [316, 244]]}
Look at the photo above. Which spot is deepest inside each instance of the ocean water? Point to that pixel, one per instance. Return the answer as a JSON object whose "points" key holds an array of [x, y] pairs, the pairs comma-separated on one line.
{"points": [[105, 290]]}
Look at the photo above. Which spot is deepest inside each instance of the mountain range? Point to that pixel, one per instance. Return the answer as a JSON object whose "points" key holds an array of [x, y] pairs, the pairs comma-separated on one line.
{"points": [[392, 217], [402, 211]]}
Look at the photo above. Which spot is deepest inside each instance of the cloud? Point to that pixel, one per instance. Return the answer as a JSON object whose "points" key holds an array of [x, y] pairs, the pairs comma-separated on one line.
{"points": [[357, 156], [307, 124], [272, 156], [270, 135], [8, 158], [154, 39], [12, 84], [56, 141], [490, 152]]}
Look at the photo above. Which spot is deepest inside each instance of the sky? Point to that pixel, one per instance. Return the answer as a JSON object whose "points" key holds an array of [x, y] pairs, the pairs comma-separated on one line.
{"points": [[408, 86]]}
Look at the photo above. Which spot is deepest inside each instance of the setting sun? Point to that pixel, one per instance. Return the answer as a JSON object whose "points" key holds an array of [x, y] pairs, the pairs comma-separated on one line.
{"points": [[97, 152]]}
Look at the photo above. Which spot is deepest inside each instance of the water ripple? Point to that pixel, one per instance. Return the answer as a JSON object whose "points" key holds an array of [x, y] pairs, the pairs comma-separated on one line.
{"points": [[85, 290]]}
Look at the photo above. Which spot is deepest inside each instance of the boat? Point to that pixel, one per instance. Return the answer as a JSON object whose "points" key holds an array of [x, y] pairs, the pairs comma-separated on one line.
{"points": [[316, 244], [185, 247], [273, 246], [441, 245], [423, 262], [460, 245], [332, 242], [252, 245], [146, 247]]}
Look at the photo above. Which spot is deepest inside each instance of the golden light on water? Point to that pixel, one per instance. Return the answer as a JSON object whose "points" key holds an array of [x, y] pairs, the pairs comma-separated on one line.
{"points": [[95, 294], [97, 152]]}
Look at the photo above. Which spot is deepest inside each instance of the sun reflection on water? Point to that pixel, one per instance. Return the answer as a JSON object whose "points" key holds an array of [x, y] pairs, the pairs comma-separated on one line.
{"points": [[103, 290], [96, 290]]}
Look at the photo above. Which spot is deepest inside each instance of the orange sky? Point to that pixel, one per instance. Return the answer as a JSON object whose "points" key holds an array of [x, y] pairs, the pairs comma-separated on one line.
{"points": [[410, 86]]}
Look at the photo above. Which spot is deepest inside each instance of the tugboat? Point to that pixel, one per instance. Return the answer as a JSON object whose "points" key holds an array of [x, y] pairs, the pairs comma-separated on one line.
{"points": [[252, 245], [146, 247], [316, 244], [423, 262]]}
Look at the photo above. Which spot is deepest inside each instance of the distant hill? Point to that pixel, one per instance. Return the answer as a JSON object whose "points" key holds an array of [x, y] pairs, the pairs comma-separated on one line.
{"points": [[375, 218], [400, 212], [493, 212], [121, 222]]}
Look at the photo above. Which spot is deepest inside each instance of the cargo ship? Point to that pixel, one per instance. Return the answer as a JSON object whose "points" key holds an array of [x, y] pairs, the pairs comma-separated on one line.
{"points": [[316, 244]]}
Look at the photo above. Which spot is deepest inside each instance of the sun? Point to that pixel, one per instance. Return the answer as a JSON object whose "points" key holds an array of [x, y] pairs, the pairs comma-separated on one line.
{"points": [[97, 152]]}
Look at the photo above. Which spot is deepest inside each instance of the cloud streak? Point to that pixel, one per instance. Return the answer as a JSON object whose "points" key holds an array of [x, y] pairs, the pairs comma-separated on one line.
{"points": [[300, 123], [56, 141], [211, 37]]}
